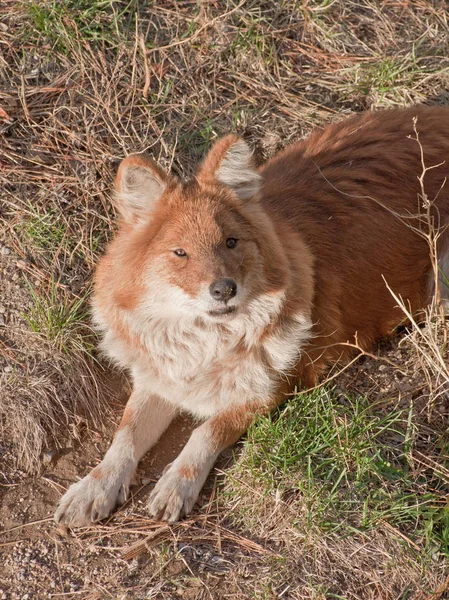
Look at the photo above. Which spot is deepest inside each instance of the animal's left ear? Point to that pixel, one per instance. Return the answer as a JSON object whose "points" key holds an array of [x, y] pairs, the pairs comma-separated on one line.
{"points": [[139, 185], [230, 162]]}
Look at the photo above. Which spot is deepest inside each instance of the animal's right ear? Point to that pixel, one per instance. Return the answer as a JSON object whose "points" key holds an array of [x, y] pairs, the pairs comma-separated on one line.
{"points": [[139, 184], [230, 162]]}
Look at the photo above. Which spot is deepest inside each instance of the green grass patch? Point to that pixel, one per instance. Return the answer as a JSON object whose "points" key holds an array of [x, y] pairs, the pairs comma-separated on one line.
{"points": [[60, 22], [384, 76], [342, 465], [197, 140], [57, 237], [61, 321], [46, 229], [392, 80]]}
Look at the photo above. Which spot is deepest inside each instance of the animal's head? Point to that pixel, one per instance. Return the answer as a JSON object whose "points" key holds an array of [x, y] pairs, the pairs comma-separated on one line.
{"points": [[203, 248]]}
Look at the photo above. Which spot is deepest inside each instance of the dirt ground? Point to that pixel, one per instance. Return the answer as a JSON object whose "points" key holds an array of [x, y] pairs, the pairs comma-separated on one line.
{"points": [[42, 560], [206, 556]]}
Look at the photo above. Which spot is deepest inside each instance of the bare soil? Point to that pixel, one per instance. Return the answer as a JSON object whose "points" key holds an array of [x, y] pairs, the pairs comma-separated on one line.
{"points": [[115, 559], [205, 556]]}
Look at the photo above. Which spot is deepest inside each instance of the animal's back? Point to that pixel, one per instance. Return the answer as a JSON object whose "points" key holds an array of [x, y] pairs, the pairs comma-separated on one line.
{"points": [[350, 192]]}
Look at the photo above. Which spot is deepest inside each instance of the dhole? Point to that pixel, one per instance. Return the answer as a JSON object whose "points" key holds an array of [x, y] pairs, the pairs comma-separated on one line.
{"points": [[219, 294]]}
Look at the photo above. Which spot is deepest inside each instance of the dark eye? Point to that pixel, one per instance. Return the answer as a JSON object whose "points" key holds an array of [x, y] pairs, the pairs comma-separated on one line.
{"points": [[231, 242], [180, 252]]}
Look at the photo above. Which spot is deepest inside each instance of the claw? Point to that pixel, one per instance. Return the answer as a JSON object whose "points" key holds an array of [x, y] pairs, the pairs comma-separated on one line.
{"points": [[91, 499], [173, 496]]}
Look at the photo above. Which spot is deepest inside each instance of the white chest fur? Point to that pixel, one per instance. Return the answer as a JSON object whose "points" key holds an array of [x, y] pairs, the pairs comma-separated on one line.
{"points": [[202, 368]]}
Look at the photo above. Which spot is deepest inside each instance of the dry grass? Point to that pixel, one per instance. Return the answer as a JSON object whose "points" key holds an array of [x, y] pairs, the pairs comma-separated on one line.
{"points": [[428, 333], [83, 83]]}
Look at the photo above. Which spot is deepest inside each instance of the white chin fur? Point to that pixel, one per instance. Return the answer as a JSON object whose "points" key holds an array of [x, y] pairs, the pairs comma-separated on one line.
{"points": [[225, 317]]}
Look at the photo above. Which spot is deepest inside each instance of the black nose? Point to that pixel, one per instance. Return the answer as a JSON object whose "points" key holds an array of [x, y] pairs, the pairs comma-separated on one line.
{"points": [[223, 289]]}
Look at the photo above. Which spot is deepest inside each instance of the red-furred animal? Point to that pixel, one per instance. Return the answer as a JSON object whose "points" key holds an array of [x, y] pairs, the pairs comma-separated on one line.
{"points": [[220, 293]]}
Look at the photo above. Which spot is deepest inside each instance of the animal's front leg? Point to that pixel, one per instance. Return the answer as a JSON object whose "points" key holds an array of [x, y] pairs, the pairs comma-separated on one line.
{"points": [[177, 490], [145, 418]]}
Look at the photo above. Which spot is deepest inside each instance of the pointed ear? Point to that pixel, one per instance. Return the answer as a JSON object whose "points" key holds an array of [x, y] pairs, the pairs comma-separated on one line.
{"points": [[139, 184], [230, 162]]}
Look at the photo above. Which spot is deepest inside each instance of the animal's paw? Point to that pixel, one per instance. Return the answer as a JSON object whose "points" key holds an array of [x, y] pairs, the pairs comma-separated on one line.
{"points": [[92, 498], [173, 495]]}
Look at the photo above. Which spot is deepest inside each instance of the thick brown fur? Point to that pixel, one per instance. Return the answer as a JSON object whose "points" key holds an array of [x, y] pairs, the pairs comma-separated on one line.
{"points": [[350, 191], [321, 232]]}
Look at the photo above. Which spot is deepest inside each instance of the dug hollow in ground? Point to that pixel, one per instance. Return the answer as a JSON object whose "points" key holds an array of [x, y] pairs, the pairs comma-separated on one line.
{"points": [[221, 293]]}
